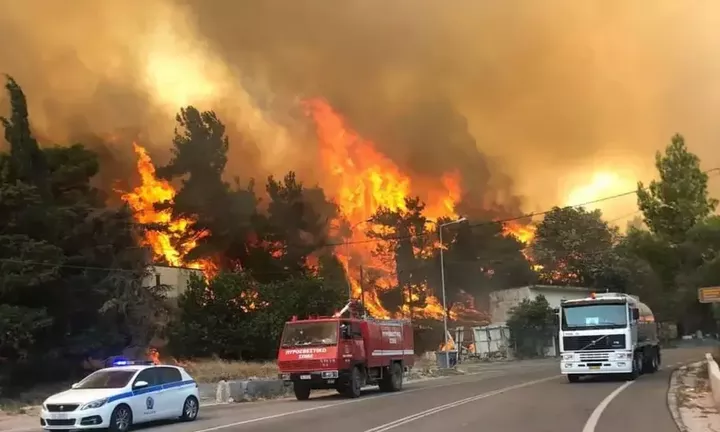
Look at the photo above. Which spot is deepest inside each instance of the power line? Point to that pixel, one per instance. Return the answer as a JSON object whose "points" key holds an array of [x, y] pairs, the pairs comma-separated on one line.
{"points": [[505, 220], [375, 240]]}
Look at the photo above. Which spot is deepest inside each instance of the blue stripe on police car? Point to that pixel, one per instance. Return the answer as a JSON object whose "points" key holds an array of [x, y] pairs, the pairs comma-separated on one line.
{"points": [[148, 390]]}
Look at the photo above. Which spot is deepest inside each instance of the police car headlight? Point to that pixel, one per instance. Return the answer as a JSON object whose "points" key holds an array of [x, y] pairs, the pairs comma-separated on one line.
{"points": [[94, 404]]}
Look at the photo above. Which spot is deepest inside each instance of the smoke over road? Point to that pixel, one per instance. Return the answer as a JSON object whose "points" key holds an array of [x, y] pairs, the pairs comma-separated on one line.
{"points": [[524, 98]]}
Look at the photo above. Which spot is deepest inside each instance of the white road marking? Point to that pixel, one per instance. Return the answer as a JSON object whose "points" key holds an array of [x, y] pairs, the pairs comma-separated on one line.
{"points": [[366, 398], [592, 421], [431, 411]]}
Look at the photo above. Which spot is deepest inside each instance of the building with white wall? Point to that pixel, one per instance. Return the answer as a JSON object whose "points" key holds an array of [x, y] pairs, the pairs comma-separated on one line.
{"points": [[176, 278], [502, 301]]}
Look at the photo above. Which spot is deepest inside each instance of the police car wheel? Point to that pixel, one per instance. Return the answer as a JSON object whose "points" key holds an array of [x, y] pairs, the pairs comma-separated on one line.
{"points": [[121, 419], [190, 409]]}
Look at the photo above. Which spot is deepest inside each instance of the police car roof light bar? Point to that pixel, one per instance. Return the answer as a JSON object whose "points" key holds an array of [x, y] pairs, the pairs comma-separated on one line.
{"points": [[122, 362]]}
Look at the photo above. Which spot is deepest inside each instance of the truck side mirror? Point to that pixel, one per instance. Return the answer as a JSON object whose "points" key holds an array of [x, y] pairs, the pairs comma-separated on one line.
{"points": [[345, 332], [635, 314]]}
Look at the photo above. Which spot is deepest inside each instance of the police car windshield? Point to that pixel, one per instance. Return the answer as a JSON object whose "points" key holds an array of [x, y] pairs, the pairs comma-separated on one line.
{"points": [[594, 316], [106, 379], [308, 334]]}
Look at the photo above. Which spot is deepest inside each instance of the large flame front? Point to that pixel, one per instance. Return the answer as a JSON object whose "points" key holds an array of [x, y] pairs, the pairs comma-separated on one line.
{"points": [[167, 244], [362, 180]]}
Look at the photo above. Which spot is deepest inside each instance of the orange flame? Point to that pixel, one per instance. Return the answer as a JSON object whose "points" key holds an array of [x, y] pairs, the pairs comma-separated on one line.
{"points": [[142, 201], [524, 233], [364, 180]]}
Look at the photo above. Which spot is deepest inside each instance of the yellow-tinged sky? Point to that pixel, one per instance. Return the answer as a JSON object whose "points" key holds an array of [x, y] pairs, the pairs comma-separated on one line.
{"points": [[557, 101]]}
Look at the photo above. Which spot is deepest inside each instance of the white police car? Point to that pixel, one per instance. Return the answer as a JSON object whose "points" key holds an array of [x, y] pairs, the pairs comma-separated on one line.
{"points": [[120, 396]]}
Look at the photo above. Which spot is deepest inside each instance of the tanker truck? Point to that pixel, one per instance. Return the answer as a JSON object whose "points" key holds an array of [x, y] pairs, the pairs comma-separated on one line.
{"points": [[607, 333]]}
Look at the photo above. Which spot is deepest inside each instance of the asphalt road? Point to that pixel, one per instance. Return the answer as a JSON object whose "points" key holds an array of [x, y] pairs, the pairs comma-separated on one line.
{"points": [[514, 397], [511, 397]]}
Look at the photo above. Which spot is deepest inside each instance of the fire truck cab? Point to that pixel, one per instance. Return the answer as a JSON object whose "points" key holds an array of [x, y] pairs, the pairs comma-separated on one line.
{"points": [[345, 353]]}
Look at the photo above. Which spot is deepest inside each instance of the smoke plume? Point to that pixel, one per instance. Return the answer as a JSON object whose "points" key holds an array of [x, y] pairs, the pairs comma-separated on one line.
{"points": [[536, 92]]}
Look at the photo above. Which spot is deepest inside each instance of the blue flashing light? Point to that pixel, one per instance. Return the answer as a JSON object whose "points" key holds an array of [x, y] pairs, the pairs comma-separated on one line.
{"points": [[124, 362]]}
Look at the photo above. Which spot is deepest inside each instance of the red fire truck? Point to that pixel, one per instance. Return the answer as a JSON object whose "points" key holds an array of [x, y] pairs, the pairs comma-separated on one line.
{"points": [[345, 353]]}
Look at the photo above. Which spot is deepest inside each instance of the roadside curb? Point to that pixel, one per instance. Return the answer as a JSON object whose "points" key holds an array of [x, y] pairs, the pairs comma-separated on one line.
{"points": [[672, 397], [221, 393]]}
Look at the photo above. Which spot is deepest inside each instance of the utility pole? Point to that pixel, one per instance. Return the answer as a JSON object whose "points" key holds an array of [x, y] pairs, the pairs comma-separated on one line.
{"points": [[442, 279], [347, 255], [362, 290], [410, 301]]}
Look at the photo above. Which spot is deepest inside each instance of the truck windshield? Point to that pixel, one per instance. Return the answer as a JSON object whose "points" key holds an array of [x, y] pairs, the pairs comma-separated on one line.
{"points": [[314, 333], [594, 316]]}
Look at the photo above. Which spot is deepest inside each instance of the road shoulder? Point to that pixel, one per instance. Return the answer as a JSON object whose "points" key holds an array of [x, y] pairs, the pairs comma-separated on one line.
{"points": [[690, 399]]}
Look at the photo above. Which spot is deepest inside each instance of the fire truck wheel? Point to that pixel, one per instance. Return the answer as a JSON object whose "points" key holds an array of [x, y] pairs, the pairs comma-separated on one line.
{"points": [[302, 391], [355, 385], [393, 380]]}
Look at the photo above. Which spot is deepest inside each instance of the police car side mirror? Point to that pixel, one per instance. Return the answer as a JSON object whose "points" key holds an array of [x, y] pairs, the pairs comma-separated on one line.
{"points": [[636, 314], [140, 384], [74, 385]]}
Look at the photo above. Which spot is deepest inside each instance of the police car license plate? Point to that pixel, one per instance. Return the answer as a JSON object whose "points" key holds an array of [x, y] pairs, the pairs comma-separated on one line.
{"points": [[594, 367], [59, 416], [305, 377]]}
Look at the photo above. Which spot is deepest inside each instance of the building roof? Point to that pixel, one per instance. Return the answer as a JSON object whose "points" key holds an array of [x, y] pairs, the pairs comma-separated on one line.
{"points": [[556, 288]]}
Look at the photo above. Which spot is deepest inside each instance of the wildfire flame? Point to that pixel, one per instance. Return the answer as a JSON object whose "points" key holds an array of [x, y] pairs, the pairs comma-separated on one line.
{"points": [[166, 244], [524, 233], [362, 180]]}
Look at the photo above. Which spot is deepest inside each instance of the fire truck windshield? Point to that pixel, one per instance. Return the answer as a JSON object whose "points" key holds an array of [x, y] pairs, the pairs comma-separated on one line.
{"points": [[310, 333], [594, 316]]}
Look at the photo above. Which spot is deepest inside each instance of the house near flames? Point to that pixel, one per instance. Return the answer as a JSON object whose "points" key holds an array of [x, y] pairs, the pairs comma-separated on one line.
{"points": [[176, 278], [493, 340]]}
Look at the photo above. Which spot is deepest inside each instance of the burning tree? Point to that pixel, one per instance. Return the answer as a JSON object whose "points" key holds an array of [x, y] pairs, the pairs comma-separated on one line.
{"points": [[389, 237]]}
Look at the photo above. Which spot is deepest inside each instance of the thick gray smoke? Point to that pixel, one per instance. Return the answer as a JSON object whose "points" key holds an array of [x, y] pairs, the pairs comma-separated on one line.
{"points": [[540, 91]]}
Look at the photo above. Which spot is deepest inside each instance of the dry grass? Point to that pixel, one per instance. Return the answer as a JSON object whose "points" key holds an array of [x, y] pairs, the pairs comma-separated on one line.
{"points": [[28, 401], [214, 370]]}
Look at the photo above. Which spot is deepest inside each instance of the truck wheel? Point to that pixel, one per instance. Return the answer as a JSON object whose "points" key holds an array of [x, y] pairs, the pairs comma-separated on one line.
{"points": [[302, 391], [353, 387], [637, 364], [573, 378], [654, 362], [649, 364], [393, 380]]}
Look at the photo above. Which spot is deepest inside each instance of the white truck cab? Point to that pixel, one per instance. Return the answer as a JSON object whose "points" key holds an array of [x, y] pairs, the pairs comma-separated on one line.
{"points": [[607, 333]]}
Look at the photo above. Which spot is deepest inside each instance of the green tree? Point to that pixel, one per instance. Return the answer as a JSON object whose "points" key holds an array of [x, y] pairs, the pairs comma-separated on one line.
{"points": [[294, 227], [234, 317], [575, 246], [66, 261], [223, 214], [481, 259], [532, 325], [679, 200], [26, 160], [700, 256], [406, 245]]}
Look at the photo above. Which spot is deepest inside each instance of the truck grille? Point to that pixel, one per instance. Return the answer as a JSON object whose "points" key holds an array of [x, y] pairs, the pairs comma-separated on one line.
{"points": [[585, 343], [594, 356], [61, 408]]}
